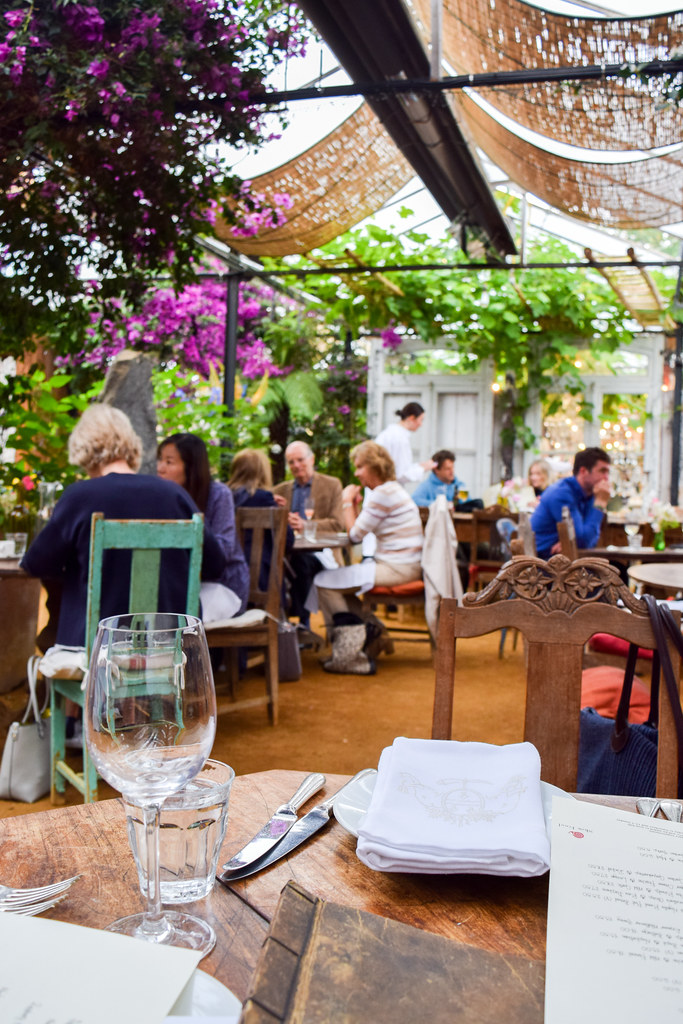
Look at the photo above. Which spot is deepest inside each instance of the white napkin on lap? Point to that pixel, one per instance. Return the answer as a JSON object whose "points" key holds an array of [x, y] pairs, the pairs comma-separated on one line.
{"points": [[445, 807]]}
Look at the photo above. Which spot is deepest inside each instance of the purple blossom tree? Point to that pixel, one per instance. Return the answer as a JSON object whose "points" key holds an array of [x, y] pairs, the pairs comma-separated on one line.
{"points": [[114, 126]]}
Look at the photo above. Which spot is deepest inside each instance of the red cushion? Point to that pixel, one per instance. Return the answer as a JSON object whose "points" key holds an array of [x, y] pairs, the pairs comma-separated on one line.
{"points": [[400, 590], [601, 689], [605, 643]]}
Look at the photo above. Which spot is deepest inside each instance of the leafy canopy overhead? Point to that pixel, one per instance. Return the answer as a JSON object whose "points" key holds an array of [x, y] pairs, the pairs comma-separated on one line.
{"points": [[113, 117], [527, 322]]}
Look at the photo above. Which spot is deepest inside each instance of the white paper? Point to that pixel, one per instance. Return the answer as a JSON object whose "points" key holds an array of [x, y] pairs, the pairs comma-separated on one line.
{"points": [[62, 973], [615, 917]]}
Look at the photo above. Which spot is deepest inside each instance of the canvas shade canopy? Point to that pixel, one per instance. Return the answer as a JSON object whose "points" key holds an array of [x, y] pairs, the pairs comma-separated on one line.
{"points": [[354, 170]]}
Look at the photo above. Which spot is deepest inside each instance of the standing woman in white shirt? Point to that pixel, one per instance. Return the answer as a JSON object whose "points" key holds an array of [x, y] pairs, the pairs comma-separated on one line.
{"points": [[396, 439]]}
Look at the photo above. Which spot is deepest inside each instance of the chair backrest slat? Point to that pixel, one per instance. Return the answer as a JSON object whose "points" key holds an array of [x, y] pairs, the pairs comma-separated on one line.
{"points": [[557, 605]]}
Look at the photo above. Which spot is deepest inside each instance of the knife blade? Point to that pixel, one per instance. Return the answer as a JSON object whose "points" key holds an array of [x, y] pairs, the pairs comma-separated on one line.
{"points": [[278, 826], [304, 828]]}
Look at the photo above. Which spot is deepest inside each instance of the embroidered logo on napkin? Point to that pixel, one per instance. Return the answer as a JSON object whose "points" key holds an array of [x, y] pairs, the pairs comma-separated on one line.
{"points": [[465, 801]]}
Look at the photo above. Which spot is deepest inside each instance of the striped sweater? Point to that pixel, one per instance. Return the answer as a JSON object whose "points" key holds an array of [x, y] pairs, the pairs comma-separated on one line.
{"points": [[391, 514]]}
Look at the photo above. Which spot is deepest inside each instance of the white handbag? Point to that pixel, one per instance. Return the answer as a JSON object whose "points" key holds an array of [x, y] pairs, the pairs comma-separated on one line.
{"points": [[25, 766]]}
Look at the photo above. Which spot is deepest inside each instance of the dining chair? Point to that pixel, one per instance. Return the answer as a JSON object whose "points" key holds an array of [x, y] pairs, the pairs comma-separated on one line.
{"points": [[440, 574], [145, 540], [487, 552], [258, 626], [557, 605]]}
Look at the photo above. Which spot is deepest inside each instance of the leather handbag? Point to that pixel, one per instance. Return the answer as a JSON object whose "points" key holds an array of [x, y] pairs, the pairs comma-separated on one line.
{"points": [[25, 766], [618, 758]]}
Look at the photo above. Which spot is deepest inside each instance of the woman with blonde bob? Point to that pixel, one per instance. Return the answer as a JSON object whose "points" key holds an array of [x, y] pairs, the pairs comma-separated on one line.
{"points": [[391, 515], [104, 444]]}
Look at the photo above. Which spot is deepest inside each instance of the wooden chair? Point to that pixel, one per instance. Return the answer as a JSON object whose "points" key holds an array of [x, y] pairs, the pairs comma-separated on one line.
{"points": [[257, 627], [145, 539], [557, 605], [486, 553]]}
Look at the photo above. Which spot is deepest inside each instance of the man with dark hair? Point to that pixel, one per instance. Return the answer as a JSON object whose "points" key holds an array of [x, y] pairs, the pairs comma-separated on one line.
{"points": [[441, 480], [585, 494]]}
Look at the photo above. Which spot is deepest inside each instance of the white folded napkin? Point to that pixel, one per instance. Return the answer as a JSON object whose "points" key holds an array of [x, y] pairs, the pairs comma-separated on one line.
{"points": [[445, 807]]}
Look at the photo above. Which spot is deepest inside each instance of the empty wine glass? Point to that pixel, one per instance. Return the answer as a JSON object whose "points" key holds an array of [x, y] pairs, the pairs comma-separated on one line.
{"points": [[150, 722]]}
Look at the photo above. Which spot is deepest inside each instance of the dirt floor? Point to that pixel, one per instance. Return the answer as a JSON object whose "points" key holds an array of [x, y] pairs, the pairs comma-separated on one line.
{"points": [[337, 723]]}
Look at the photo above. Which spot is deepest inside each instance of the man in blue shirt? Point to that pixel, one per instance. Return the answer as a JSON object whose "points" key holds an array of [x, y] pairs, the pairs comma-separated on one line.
{"points": [[441, 480], [585, 493]]}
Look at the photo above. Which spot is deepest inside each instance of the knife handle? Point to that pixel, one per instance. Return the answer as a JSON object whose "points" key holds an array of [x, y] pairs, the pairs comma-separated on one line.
{"points": [[311, 784]]}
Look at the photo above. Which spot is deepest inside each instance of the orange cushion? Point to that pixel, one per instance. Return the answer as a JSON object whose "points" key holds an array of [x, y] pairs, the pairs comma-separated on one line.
{"points": [[400, 590], [604, 643], [601, 689]]}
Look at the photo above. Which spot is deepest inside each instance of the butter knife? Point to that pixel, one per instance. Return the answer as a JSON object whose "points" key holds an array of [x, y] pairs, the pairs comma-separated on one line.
{"points": [[304, 828], [278, 826]]}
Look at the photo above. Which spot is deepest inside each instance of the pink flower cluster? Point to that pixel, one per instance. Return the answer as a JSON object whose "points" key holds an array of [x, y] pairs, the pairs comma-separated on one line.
{"points": [[189, 328], [390, 339]]}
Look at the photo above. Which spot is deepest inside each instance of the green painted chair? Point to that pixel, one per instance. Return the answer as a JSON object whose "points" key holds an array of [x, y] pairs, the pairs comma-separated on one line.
{"points": [[145, 539]]}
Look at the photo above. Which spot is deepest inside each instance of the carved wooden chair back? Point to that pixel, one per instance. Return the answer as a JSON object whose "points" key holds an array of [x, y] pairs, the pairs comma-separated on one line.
{"points": [[557, 605]]}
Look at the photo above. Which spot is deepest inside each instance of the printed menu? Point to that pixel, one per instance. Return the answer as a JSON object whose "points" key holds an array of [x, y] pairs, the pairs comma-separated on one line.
{"points": [[615, 917], [57, 973]]}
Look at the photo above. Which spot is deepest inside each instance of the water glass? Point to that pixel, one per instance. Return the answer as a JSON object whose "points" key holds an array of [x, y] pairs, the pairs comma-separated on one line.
{"points": [[193, 824], [310, 526], [19, 541]]}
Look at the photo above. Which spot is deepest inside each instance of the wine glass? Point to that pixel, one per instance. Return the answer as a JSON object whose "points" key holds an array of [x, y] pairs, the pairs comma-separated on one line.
{"points": [[150, 722], [309, 527], [631, 528]]}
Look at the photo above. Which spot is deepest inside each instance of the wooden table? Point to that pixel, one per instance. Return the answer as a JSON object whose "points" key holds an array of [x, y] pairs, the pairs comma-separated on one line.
{"points": [[658, 578], [19, 602], [498, 914], [626, 554]]}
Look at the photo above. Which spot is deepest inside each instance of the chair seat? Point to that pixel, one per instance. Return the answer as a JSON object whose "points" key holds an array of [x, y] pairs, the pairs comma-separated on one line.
{"points": [[252, 617], [412, 589], [601, 689], [603, 643]]}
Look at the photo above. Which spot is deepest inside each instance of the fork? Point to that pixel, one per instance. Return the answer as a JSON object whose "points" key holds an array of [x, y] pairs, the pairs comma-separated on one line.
{"points": [[35, 900]]}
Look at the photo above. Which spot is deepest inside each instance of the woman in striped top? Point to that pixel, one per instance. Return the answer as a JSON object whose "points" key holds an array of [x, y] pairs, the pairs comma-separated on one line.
{"points": [[391, 514]]}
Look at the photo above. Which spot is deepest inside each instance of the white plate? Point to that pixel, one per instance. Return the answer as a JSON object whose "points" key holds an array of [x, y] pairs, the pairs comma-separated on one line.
{"points": [[353, 803], [210, 998]]}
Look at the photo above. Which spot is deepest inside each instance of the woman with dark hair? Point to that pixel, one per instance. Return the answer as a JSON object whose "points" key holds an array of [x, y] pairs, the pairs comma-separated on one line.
{"points": [[395, 438], [183, 459]]}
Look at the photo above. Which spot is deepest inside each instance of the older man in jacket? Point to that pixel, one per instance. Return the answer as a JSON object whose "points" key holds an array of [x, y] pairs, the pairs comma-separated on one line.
{"points": [[326, 492]]}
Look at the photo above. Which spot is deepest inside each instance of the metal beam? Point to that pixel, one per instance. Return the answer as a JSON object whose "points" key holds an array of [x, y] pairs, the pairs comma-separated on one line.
{"points": [[483, 79]]}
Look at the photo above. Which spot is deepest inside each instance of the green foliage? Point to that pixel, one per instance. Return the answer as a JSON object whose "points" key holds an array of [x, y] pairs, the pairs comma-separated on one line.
{"points": [[341, 422], [37, 414], [186, 403], [529, 323]]}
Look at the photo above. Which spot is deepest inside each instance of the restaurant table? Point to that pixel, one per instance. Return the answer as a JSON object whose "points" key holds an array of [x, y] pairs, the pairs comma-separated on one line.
{"points": [[625, 554], [506, 915], [658, 578], [19, 602]]}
